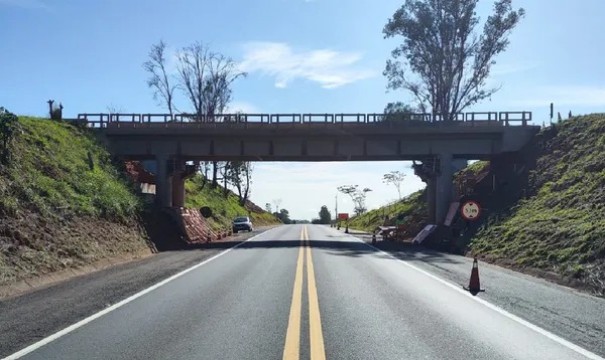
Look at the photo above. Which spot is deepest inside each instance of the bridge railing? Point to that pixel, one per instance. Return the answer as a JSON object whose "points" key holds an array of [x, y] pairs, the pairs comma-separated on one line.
{"points": [[491, 118]]}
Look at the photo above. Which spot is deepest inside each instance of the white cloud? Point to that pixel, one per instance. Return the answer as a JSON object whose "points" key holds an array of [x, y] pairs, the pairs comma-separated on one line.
{"points": [[502, 69], [28, 4], [329, 68], [573, 95]]}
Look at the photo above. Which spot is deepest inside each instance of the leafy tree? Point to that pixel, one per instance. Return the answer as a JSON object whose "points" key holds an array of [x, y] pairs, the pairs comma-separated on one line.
{"points": [[357, 195], [268, 208], [283, 215], [398, 111], [324, 215], [442, 48], [395, 178]]}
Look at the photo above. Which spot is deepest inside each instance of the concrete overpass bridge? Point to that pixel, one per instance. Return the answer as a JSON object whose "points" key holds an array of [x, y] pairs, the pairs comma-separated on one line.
{"points": [[171, 141]]}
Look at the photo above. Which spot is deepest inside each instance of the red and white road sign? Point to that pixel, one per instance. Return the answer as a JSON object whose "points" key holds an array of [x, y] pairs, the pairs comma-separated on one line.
{"points": [[470, 210]]}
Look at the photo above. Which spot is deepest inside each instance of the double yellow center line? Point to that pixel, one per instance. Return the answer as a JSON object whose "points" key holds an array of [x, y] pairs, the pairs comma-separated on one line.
{"points": [[316, 340]]}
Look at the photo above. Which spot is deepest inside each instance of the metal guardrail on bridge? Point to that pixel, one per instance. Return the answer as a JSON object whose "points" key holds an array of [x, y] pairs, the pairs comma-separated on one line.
{"points": [[505, 118]]}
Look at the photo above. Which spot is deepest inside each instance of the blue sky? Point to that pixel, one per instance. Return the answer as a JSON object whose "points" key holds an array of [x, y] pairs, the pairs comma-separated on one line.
{"points": [[301, 55]]}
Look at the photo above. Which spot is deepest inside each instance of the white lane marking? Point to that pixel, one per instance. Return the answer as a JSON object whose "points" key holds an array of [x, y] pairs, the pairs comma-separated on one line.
{"points": [[115, 306], [501, 311]]}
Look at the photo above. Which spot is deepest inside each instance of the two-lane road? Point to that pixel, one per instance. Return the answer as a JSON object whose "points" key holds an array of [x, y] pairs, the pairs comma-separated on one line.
{"points": [[304, 291]]}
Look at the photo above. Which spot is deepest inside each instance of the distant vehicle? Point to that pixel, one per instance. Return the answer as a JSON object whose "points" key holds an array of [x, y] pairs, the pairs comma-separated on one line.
{"points": [[242, 223]]}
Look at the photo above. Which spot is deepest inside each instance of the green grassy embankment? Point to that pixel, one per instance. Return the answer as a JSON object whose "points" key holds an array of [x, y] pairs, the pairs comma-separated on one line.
{"points": [[412, 207], [560, 226], [224, 209], [62, 203]]}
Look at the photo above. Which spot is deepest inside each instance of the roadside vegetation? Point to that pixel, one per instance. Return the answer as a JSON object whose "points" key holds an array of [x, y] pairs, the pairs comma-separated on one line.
{"points": [[560, 226], [411, 208], [63, 203], [225, 205]]}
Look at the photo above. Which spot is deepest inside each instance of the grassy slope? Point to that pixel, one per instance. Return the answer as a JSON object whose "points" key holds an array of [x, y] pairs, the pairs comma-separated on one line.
{"points": [[561, 227], [412, 206], [224, 209], [55, 211]]}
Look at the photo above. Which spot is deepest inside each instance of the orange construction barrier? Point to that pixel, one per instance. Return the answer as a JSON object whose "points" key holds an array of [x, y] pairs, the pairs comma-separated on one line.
{"points": [[474, 286]]}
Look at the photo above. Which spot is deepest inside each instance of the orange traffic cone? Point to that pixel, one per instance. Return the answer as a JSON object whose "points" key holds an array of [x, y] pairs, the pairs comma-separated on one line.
{"points": [[474, 286]]}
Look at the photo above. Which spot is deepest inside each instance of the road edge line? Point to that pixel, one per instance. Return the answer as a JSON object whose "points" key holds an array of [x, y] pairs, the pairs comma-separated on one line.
{"points": [[568, 344], [70, 328]]}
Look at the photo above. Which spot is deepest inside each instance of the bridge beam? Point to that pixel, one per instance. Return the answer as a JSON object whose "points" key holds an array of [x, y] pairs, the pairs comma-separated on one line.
{"points": [[163, 187]]}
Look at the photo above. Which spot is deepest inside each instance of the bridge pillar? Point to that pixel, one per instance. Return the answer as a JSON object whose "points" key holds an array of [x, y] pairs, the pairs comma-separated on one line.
{"points": [[163, 186], [444, 187], [431, 197], [178, 184]]}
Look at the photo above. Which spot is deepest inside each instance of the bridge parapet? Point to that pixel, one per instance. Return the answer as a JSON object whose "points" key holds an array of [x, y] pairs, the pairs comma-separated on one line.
{"points": [[491, 118]]}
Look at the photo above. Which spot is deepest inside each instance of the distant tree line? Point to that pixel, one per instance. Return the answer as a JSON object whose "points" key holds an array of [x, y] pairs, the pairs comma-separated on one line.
{"points": [[324, 216], [284, 216]]}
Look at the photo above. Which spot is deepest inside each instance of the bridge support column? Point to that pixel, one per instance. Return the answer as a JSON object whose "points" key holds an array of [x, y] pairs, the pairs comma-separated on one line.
{"points": [[444, 187], [163, 186], [178, 184], [431, 197]]}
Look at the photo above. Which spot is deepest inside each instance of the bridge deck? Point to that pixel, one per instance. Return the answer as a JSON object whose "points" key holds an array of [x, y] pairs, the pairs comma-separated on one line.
{"points": [[103, 120]]}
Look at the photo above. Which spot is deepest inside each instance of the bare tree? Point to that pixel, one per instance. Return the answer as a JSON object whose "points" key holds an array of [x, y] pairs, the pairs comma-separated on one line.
{"points": [[357, 195], [114, 109], [440, 46], [225, 171], [158, 77], [206, 78], [395, 178], [241, 178], [277, 203]]}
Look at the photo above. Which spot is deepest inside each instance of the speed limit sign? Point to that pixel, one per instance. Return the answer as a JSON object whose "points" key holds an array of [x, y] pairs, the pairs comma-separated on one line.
{"points": [[470, 210]]}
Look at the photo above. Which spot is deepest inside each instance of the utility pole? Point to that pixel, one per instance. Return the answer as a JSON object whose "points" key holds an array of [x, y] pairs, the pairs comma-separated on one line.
{"points": [[336, 206], [335, 209]]}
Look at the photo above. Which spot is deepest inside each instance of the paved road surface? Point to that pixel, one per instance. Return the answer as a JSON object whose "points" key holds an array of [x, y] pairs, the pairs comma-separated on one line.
{"points": [[281, 296]]}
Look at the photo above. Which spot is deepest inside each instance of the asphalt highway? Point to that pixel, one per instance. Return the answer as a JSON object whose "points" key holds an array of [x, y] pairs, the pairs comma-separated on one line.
{"points": [[303, 292]]}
